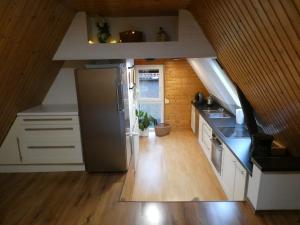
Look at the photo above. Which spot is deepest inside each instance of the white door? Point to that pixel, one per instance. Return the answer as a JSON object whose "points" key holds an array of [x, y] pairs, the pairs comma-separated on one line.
{"points": [[150, 88]]}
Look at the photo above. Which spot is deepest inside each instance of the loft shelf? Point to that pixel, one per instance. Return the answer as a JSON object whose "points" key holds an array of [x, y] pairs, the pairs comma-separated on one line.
{"points": [[189, 42]]}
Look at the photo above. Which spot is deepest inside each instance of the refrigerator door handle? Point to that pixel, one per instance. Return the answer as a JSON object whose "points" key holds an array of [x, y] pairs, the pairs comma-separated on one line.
{"points": [[120, 104]]}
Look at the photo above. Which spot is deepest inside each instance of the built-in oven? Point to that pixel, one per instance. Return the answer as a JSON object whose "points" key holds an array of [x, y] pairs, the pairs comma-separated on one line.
{"points": [[216, 153]]}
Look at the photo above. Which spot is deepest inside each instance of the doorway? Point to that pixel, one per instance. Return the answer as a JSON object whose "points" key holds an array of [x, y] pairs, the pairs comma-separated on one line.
{"points": [[150, 83]]}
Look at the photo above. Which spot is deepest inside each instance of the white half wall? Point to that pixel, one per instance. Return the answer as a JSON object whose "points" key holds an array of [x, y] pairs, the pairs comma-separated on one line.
{"points": [[191, 43], [63, 89]]}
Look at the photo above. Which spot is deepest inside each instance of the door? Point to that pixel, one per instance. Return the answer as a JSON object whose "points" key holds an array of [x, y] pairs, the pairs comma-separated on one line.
{"points": [[150, 85], [102, 119]]}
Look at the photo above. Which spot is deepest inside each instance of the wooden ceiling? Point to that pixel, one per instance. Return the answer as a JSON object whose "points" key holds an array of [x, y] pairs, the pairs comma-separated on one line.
{"points": [[258, 44], [30, 33], [129, 7]]}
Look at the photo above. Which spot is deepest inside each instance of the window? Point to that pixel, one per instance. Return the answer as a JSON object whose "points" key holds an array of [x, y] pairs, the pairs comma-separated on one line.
{"points": [[150, 90], [229, 86]]}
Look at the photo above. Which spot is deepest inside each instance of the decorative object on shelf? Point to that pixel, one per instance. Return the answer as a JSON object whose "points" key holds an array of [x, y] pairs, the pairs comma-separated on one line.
{"points": [[145, 121], [162, 129], [131, 36], [103, 31], [162, 35]]}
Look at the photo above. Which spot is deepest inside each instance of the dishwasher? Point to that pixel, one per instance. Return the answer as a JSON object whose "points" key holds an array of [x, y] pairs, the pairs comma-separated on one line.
{"points": [[216, 153]]}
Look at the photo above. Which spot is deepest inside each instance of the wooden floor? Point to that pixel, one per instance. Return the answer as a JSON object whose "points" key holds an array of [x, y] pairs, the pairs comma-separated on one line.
{"points": [[173, 168], [78, 198]]}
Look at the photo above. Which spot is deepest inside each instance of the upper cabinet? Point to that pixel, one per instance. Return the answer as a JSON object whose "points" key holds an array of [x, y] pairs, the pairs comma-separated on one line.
{"points": [[186, 39]]}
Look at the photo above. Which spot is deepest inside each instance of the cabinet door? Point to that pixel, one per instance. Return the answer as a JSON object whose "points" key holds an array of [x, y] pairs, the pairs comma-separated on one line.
{"points": [[200, 133], [240, 182], [193, 125], [10, 152], [207, 144], [228, 173]]}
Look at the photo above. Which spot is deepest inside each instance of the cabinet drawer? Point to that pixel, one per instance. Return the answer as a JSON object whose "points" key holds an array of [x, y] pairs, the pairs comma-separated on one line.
{"points": [[45, 131], [51, 152], [48, 120], [207, 129]]}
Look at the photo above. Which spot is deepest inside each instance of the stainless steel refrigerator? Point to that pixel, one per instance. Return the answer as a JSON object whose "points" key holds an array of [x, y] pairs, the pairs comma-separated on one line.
{"points": [[104, 118]]}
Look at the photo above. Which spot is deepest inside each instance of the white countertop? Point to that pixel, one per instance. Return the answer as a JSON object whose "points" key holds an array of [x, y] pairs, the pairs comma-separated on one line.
{"points": [[51, 110]]}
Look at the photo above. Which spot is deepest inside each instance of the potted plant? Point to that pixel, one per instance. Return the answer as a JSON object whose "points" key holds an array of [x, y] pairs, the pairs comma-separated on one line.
{"points": [[145, 120]]}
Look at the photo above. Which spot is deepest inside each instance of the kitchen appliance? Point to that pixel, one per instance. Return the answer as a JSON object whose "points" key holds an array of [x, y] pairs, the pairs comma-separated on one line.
{"points": [[199, 98], [104, 114], [210, 100], [216, 153]]}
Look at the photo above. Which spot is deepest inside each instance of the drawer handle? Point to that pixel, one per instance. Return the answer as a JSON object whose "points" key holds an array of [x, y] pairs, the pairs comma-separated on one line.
{"points": [[44, 129], [49, 147], [19, 150], [56, 119]]}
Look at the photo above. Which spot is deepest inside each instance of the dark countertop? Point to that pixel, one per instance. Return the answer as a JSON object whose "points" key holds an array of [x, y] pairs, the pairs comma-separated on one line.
{"points": [[240, 147], [272, 164]]}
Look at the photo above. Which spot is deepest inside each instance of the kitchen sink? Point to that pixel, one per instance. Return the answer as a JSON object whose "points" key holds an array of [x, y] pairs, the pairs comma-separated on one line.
{"points": [[234, 132], [216, 114]]}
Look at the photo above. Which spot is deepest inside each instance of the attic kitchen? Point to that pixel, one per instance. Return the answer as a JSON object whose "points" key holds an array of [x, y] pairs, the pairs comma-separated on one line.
{"points": [[154, 104]]}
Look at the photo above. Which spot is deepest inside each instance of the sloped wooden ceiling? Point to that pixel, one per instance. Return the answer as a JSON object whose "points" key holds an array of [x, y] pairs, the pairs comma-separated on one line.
{"points": [[30, 33], [129, 7], [258, 44]]}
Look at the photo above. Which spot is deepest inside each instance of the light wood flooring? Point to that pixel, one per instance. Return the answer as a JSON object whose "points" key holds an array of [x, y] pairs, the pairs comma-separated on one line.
{"points": [[78, 198], [172, 168]]}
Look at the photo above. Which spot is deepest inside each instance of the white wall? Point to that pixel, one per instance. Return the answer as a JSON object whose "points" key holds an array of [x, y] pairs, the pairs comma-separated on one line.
{"points": [[191, 43], [63, 89], [216, 81]]}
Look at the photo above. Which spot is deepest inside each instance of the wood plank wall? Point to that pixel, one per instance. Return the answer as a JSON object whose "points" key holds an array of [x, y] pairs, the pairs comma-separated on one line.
{"points": [[257, 41], [30, 32], [180, 85]]}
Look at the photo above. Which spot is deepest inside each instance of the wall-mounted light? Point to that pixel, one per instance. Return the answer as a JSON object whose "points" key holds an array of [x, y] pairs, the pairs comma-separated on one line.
{"points": [[91, 42]]}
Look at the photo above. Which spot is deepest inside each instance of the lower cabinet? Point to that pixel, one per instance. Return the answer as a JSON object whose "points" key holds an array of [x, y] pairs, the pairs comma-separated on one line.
{"points": [[43, 140], [204, 137], [234, 176]]}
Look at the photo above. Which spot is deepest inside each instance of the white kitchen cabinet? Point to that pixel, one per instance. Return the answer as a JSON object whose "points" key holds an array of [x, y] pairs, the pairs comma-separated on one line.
{"points": [[9, 150], [239, 182], [50, 139], [204, 137], [234, 176], [228, 173]]}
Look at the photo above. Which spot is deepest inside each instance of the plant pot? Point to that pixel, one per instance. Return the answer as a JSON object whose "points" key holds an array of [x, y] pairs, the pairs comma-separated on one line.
{"points": [[162, 129], [144, 133]]}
